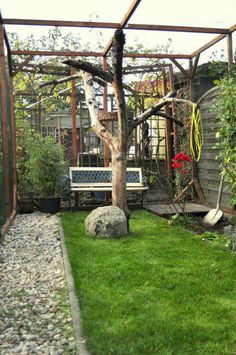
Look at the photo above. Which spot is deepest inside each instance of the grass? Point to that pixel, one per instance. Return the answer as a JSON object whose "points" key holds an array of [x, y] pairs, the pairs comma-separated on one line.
{"points": [[161, 290]]}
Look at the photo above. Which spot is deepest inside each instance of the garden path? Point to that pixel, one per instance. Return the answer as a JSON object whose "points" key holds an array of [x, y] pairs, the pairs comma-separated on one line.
{"points": [[35, 316]]}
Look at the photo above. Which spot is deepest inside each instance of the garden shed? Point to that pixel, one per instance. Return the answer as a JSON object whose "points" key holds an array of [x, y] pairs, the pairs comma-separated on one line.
{"points": [[162, 140]]}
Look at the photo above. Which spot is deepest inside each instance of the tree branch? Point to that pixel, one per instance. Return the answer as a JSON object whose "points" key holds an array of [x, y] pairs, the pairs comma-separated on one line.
{"points": [[59, 81], [101, 131], [90, 68], [150, 112], [169, 117]]}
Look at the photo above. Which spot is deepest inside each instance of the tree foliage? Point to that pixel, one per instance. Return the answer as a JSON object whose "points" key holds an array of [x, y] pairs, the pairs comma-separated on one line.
{"points": [[225, 107]]}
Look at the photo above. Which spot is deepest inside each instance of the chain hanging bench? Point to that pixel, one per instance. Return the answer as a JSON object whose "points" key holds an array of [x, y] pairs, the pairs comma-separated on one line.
{"points": [[100, 179]]}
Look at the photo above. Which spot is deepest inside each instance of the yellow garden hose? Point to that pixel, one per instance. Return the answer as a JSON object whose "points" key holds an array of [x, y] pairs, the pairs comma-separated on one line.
{"points": [[196, 134]]}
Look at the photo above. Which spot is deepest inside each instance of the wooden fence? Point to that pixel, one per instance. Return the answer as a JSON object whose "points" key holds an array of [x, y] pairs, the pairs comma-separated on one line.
{"points": [[208, 167]]}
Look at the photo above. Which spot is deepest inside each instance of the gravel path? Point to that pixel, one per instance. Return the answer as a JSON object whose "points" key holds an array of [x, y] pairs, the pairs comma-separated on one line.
{"points": [[35, 313]]}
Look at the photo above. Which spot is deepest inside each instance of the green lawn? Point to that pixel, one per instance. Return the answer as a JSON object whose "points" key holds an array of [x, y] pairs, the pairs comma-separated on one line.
{"points": [[161, 290]]}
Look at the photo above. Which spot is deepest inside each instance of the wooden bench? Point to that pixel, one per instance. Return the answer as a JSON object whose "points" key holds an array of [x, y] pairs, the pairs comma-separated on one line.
{"points": [[100, 179]]}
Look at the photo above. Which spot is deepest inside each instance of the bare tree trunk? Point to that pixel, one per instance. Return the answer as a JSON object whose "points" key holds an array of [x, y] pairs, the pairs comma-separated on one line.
{"points": [[119, 197], [117, 146]]}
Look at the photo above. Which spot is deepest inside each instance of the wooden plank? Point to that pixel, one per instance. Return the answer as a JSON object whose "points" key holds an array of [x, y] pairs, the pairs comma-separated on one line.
{"points": [[230, 53], [57, 53], [194, 68], [74, 123], [157, 55], [123, 22], [199, 190], [232, 29], [163, 209], [171, 28], [208, 45], [13, 139], [6, 156], [183, 71], [98, 54], [114, 25], [61, 23]]}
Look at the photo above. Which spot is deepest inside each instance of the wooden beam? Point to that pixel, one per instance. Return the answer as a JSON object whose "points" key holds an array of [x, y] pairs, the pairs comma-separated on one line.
{"points": [[115, 25], [230, 53], [74, 125], [99, 54], [208, 45], [170, 28], [34, 22], [13, 143], [6, 157], [57, 53], [21, 65], [105, 108], [186, 74], [232, 28], [157, 55], [194, 67], [9, 58], [123, 22]]}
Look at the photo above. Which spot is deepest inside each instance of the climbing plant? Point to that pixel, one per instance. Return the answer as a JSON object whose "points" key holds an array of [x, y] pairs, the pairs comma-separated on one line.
{"points": [[225, 107]]}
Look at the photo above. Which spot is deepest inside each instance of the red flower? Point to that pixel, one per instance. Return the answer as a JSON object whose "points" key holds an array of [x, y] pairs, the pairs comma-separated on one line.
{"points": [[184, 172], [186, 158], [178, 157], [181, 157], [176, 165]]}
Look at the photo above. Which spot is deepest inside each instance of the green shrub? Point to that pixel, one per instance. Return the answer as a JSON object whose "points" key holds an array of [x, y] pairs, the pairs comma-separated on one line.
{"points": [[225, 107], [47, 166]]}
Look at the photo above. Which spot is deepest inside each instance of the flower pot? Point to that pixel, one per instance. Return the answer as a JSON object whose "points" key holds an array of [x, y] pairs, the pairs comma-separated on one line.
{"points": [[25, 202], [48, 204]]}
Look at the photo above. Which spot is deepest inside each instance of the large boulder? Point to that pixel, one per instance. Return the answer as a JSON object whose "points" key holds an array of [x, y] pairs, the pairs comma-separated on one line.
{"points": [[106, 222]]}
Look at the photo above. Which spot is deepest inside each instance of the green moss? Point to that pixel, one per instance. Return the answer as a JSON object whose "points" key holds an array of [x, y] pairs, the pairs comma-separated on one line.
{"points": [[161, 290]]}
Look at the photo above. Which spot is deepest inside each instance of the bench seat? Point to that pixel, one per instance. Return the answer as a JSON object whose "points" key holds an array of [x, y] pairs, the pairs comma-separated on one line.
{"points": [[89, 179]]}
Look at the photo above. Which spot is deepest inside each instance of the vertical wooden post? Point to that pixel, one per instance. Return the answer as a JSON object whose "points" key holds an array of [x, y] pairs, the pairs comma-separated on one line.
{"points": [[6, 157], [74, 126], [81, 138], [190, 80], [13, 130], [167, 131], [175, 127], [230, 53], [106, 149]]}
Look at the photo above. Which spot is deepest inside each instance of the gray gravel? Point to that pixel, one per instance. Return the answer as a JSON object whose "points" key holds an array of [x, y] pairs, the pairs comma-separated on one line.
{"points": [[35, 313]]}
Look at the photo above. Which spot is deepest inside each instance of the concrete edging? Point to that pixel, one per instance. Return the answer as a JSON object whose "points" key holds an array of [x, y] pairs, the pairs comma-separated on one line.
{"points": [[74, 303]]}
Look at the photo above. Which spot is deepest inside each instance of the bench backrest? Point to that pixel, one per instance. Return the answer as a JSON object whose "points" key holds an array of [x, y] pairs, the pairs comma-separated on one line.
{"points": [[81, 176]]}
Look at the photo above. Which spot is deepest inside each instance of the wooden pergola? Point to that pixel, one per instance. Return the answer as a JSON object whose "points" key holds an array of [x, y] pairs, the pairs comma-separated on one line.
{"points": [[192, 58]]}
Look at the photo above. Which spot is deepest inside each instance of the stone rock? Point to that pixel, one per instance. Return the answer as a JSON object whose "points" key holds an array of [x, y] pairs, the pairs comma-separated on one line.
{"points": [[106, 222]]}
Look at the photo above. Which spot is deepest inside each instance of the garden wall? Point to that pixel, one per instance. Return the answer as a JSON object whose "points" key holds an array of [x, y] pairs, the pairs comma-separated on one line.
{"points": [[208, 167]]}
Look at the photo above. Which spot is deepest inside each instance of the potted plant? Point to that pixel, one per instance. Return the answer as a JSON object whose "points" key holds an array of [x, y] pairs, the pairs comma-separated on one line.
{"points": [[46, 171], [24, 139]]}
